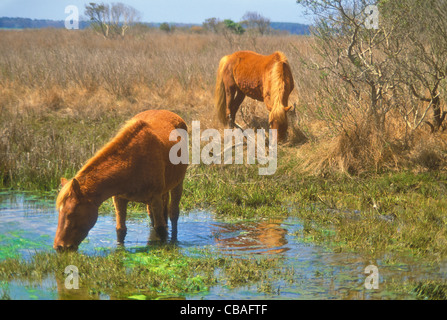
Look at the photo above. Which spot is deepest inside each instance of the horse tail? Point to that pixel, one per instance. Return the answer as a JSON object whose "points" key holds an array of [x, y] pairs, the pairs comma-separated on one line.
{"points": [[220, 102]]}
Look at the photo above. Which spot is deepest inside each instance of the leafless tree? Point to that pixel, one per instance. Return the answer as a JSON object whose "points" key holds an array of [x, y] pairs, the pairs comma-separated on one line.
{"points": [[400, 63], [122, 16], [351, 50], [423, 62], [99, 16], [113, 19], [212, 24], [256, 22]]}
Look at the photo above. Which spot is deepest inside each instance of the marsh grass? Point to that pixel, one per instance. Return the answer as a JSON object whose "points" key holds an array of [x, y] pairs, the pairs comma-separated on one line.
{"points": [[396, 212], [64, 94], [39, 148], [432, 290], [158, 273], [232, 191]]}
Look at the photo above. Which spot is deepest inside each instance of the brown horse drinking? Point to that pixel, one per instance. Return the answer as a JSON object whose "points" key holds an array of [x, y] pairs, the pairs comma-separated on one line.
{"points": [[263, 78], [133, 166]]}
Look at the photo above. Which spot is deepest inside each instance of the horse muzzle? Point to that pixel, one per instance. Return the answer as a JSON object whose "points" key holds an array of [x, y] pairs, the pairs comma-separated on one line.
{"points": [[65, 248]]}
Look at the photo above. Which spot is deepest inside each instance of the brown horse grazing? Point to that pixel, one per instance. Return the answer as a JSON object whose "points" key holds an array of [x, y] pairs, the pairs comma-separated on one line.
{"points": [[133, 166], [263, 78]]}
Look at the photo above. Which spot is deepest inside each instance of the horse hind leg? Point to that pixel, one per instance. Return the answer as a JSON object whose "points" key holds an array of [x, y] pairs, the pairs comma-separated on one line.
{"points": [[165, 199], [230, 95], [235, 103], [174, 209]]}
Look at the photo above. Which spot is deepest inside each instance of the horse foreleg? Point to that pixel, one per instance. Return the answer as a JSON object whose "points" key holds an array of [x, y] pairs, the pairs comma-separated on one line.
{"points": [[121, 212], [165, 199], [158, 220]]}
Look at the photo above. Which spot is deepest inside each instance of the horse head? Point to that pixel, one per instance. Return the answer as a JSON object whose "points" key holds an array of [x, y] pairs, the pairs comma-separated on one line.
{"points": [[77, 216], [278, 121]]}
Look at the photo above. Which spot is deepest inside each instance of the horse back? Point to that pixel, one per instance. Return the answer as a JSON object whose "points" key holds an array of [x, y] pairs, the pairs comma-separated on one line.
{"points": [[162, 122], [252, 71]]}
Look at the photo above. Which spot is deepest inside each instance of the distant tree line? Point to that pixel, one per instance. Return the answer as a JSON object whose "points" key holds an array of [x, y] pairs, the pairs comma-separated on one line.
{"points": [[26, 23], [251, 22], [292, 28], [115, 19]]}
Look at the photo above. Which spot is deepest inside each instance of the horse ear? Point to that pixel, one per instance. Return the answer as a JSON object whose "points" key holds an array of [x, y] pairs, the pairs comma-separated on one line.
{"points": [[76, 188], [63, 182], [287, 108]]}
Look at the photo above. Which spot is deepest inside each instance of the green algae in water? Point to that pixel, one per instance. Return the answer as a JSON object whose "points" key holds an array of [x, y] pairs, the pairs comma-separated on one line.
{"points": [[13, 244], [169, 270], [138, 297]]}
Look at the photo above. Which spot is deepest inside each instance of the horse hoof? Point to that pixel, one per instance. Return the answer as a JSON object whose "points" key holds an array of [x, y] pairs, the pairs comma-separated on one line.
{"points": [[120, 236]]}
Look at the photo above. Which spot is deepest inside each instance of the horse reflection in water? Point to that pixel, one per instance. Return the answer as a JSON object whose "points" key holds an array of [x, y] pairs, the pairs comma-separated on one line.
{"points": [[265, 237]]}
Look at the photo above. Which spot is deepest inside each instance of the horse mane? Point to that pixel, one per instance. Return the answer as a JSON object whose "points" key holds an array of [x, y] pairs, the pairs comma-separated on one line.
{"points": [[277, 88], [64, 194], [124, 136]]}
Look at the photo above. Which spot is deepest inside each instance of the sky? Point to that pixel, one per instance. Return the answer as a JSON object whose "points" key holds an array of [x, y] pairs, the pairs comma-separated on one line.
{"points": [[182, 11]]}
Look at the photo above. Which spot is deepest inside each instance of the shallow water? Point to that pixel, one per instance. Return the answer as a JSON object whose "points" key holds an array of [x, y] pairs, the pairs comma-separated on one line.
{"points": [[28, 224]]}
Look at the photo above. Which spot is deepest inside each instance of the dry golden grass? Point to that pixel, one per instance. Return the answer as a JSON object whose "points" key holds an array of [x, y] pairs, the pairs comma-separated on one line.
{"points": [[60, 69], [82, 78]]}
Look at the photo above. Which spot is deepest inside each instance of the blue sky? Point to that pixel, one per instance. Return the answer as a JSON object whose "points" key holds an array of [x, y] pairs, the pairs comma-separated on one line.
{"points": [[186, 11]]}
